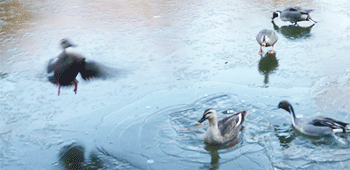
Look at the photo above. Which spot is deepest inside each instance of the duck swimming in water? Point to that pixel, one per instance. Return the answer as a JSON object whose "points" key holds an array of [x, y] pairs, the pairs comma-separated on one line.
{"points": [[293, 14], [314, 126], [67, 65], [266, 38], [224, 131]]}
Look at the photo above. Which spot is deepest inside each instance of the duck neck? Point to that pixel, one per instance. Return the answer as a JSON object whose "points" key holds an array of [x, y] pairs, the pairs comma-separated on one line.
{"points": [[291, 111], [279, 13], [213, 122]]}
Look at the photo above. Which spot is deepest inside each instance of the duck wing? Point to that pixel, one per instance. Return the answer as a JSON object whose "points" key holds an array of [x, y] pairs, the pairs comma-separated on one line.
{"points": [[230, 125], [324, 121], [93, 69], [305, 11], [297, 10], [270, 36], [293, 8], [57, 63]]}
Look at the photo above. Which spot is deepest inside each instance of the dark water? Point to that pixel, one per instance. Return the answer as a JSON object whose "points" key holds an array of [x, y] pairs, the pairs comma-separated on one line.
{"points": [[174, 59]]}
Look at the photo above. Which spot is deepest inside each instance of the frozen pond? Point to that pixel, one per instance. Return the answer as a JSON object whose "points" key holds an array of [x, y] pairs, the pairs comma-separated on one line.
{"points": [[173, 60]]}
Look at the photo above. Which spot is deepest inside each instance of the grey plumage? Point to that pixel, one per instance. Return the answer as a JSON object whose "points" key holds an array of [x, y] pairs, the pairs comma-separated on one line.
{"points": [[224, 131], [266, 38], [293, 14], [314, 126], [66, 67]]}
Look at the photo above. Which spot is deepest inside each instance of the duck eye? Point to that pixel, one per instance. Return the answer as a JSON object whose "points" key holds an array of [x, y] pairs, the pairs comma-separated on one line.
{"points": [[207, 113]]}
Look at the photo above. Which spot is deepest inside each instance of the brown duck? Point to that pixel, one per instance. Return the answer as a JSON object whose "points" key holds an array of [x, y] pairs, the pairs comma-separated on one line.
{"points": [[224, 131]]}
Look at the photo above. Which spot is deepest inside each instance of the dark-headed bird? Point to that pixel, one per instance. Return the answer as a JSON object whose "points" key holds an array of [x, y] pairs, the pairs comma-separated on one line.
{"points": [[314, 126], [293, 14], [67, 65]]}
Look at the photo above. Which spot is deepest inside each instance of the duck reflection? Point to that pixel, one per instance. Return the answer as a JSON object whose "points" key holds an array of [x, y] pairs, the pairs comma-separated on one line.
{"points": [[293, 32], [3, 75], [214, 154], [285, 135], [72, 158], [267, 65]]}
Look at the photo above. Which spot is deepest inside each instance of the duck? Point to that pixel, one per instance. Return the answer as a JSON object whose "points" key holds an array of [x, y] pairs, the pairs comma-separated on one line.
{"points": [[314, 126], [293, 14], [224, 131], [266, 38], [66, 66]]}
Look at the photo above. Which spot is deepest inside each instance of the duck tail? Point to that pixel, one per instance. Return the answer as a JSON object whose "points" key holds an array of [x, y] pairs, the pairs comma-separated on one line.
{"points": [[244, 114], [241, 117], [347, 128], [309, 10], [306, 11], [312, 20]]}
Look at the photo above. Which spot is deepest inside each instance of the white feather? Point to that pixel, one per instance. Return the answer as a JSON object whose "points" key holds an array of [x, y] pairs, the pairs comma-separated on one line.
{"points": [[239, 119], [304, 16], [337, 130]]}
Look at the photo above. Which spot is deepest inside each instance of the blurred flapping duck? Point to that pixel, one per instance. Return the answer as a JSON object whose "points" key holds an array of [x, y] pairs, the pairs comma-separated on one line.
{"points": [[224, 131], [314, 126], [67, 65]]}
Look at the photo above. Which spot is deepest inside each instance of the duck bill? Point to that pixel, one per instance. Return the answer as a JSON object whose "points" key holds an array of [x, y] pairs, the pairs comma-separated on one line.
{"points": [[200, 121]]}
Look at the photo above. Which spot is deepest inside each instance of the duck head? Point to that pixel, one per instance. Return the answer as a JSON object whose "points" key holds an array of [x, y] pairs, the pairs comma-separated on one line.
{"points": [[276, 14], [208, 114], [65, 43], [286, 106]]}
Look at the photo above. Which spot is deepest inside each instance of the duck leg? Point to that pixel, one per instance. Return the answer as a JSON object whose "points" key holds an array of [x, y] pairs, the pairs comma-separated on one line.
{"points": [[59, 88], [272, 51], [261, 52], [296, 24], [75, 86]]}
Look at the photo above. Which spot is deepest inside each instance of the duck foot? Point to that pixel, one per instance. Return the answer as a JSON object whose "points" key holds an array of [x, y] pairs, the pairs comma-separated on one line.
{"points": [[261, 52], [272, 52]]}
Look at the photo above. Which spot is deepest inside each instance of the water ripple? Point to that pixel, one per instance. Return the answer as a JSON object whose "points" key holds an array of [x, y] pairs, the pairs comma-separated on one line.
{"points": [[169, 136]]}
